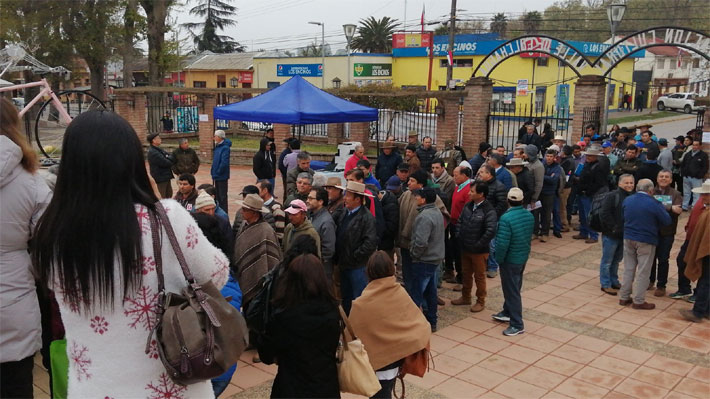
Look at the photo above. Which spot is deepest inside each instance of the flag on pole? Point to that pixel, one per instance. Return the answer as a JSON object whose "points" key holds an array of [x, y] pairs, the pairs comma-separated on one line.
{"points": [[422, 19], [450, 57], [680, 58]]}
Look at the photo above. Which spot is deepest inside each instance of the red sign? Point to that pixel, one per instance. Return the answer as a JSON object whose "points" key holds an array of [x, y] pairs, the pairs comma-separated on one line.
{"points": [[403, 40], [246, 77], [534, 55]]}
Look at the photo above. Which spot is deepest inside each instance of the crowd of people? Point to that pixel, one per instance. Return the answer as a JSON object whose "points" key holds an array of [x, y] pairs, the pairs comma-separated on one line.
{"points": [[379, 244]]}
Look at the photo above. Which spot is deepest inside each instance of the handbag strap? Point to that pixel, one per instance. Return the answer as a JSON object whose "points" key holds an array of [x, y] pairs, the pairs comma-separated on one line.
{"points": [[174, 243], [158, 258], [344, 317]]}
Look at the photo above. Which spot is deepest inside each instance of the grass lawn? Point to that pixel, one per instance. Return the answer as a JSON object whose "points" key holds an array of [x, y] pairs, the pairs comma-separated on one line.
{"points": [[252, 143], [642, 117]]}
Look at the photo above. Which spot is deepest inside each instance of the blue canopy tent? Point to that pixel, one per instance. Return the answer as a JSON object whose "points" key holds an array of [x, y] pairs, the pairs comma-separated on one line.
{"points": [[296, 102]]}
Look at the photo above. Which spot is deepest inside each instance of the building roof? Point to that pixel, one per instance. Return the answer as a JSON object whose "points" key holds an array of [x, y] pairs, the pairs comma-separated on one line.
{"points": [[230, 62], [666, 51]]}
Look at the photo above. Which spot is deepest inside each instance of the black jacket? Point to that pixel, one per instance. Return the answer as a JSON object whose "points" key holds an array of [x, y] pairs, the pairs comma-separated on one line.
{"points": [[526, 183], [303, 339], [533, 139], [356, 239], [161, 163], [694, 165], [476, 163], [497, 196], [426, 156], [186, 161], [263, 162], [476, 228], [593, 179], [612, 214], [648, 170], [567, 165], [390, 211], [387, 166]]}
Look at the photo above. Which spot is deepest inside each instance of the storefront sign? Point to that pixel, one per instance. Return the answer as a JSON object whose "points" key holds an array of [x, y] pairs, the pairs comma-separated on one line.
{"points": [[362, 70], [404, 40], [521, 88], [246, 77], [299, 69]]}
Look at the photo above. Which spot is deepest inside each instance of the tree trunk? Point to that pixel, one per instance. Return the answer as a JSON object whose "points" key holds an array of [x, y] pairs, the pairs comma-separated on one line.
{"points": [[97, 79], [129, 34], [156, 12]]}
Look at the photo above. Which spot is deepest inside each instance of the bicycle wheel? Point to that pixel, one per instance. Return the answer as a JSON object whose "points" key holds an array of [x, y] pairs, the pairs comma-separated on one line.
{"points": [[49, 128]]}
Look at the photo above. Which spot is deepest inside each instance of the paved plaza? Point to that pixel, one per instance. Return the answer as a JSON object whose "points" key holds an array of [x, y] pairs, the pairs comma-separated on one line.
{"points": [[579, 343]]}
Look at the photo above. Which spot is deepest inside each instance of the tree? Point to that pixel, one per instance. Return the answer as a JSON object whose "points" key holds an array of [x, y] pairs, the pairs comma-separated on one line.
{"points": [[499, 24], [216, 14], [314, 50], [133, 25], [156, 13], [532, 21], [375, 36]]}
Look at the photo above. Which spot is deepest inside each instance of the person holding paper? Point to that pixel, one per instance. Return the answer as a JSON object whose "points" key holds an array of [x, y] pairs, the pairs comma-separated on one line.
{"points": [[672, 201]]}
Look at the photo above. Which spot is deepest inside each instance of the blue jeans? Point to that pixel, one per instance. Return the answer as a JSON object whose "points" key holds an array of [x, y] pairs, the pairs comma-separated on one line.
{"points": [[511, 278], [423, 291], [585, 206], [352, 283], [272, 181], [492, 262], [556, 220], [612, 254], [690, 183], [663, 252]]}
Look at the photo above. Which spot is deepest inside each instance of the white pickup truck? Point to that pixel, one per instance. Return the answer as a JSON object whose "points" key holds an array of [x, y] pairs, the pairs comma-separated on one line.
{"points": [[684, 101]]}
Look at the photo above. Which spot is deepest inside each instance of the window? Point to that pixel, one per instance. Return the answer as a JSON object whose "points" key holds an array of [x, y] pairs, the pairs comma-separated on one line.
{"points": [[696, 63], [540, 93], [504, 99], [542, 61], [199, 83], [272, 85], [660, 63], [458, 63]]}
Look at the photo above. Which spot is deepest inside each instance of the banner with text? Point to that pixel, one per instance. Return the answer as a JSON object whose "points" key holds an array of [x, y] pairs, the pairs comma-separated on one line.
{"points": [[362, 70], [299, 69]]}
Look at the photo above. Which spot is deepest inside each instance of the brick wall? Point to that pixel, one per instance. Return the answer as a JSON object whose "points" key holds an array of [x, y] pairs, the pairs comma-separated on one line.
{"points": [[589, 91], [360, 131], [132, 108], [475, 108], [447, 124], [206, 128]]}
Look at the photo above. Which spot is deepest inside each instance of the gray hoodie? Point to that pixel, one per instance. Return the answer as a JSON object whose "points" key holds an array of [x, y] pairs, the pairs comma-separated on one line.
{"points": [[427, 245], [538, 171]]}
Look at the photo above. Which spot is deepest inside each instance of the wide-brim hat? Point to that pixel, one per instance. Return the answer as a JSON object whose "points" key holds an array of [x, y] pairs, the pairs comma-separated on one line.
{"points": [[412, 133], [333, 182], [516, 162], [388, 145], [355, 187], [644, 125], [253, 202], [704, 189], [594, 151], [560, 137]]}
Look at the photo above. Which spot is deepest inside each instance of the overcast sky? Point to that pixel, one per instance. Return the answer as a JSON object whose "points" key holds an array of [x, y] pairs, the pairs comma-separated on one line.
{"points": [[283, 24]]}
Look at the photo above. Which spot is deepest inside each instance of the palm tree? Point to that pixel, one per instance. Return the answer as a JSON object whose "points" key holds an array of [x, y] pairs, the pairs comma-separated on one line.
{"points": [[375, 36], [499, 24], [217, 15], [532, 21]]}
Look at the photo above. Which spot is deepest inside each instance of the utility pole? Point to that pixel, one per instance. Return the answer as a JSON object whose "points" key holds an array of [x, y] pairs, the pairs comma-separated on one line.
{"points": [[452, 33]]}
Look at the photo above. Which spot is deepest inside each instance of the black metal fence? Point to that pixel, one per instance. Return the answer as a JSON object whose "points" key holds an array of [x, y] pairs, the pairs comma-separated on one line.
{"points": [[505, 125], [315, 130], [591, 116], [700, 119], [172, 113]]}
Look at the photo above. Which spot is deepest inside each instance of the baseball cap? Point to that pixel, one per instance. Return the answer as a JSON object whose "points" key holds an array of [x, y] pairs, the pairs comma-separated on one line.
{"points": [[151, 137], [393, 183], [606, 144], [296, 206], [515, 194], [663, 142]]}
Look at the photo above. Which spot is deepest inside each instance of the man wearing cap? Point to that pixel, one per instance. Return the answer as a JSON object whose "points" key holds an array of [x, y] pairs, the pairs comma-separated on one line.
{"points": [[204, 203], [665, 158], [324, 225], [276, 216], [387, 162], [220, 168], [403, 176], [303, 165], [427, 251], [693, 168], [607, 149], [186, 159], [256, 248], [299, 225], [356, 240], [413, 139], [480, 158], [696, 258], [451, 156], [592, 181], [304, 183], [186, 194], [644, 216], [426, 153], [358, 155], [411, 158], [160, 162], [513, 239]]}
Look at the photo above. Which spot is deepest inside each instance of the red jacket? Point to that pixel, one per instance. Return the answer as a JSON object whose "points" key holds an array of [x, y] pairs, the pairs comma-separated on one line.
{"points": [[693, 219], [458, 200], [351, 163]]}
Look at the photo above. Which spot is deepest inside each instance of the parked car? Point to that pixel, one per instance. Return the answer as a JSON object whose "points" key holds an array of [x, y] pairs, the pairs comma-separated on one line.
{"points": [[684, 101]]}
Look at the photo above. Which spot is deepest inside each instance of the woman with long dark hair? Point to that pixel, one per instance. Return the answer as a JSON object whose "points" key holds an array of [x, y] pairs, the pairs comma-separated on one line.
{"points": [[23, 197], [94, 248], [302, 335]]}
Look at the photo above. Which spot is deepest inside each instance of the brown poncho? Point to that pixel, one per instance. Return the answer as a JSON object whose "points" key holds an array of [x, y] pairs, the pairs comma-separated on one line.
{"points": [[256, 252], [388, 322], [698, 246]]}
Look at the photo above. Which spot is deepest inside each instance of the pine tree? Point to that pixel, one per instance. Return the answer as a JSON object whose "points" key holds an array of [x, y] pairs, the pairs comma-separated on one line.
{"points": [[217, 15]]}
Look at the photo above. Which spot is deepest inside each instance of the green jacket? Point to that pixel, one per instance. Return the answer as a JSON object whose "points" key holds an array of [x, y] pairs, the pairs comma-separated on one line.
{"points": [[514, 234], [306, 228]]}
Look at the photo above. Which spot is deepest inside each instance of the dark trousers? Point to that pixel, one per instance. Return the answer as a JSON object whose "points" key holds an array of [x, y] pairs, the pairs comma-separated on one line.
{"points": [[536, 214], [16, 378], [407, 275], [165, 189], [386, 391], [352, 283], [660, 262], [683, 282], [678, 182], [701, 308], [511, 278], [548, 202], [222, 186], [423, 291]]}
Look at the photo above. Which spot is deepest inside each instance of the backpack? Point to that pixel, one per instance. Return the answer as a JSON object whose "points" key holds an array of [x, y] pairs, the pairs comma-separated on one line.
{"points": [[259, 311], [595, 214]]}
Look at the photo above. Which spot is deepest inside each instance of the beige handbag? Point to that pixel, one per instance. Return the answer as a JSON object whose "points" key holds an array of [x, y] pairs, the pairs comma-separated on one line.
{"points": [[355, 373]]}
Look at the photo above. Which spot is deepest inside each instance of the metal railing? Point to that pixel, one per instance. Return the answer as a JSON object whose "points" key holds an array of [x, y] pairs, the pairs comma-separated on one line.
{"points": [[505, 124], [179, 111], [700, 119]]}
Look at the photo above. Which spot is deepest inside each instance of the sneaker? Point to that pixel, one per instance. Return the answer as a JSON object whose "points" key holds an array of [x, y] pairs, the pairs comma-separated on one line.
{"points": [[492, 274], [543, 238], [660, 291], [513, 331], [680, 295], [690, 299], [689, 315], [500, 316]]}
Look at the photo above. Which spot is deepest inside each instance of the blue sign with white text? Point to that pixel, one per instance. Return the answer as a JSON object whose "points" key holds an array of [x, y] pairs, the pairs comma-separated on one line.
{"points": [[299, 69]]}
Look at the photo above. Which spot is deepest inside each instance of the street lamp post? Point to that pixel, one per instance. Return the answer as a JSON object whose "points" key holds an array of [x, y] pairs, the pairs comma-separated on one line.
{"points": [[322, 51], [349, 30], [615, 13]]}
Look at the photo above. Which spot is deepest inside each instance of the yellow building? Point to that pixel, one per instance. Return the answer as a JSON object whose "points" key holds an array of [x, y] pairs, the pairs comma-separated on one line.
{"points": [[217, 70]]}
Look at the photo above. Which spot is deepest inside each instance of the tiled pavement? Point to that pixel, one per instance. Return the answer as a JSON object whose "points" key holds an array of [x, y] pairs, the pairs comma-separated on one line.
{"points": [[578, 343]]}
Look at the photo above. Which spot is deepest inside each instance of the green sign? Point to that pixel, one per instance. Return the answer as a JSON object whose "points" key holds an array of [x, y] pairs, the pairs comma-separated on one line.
{"points": [[361, 70]]}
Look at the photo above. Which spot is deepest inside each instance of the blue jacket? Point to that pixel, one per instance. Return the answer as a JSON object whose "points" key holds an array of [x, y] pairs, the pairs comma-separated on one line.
{"points": [[371, 180], [231, 289], [220, 161], [550, 184], [503, 176], [514, 234], [643, 218], [476, 163]]}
